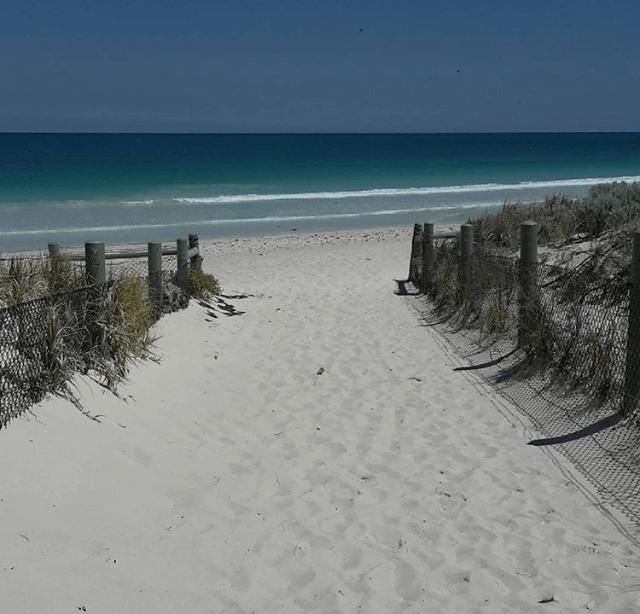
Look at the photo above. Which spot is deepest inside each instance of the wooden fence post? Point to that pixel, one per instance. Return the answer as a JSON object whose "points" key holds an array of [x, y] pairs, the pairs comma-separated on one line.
{"points": [[529, 304], [196, 261], [95, 263], [466, 253], [54, 250], [155, 273], [632, 368], [183, 263], [428, 257], [415, 262]]}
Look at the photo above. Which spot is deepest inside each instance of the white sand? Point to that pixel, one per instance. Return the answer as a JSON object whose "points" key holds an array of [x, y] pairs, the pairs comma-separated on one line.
{"points": [[236, 478]]}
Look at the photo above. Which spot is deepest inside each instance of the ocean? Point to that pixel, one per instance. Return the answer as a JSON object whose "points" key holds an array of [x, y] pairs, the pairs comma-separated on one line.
{"points": [[126, 188]]}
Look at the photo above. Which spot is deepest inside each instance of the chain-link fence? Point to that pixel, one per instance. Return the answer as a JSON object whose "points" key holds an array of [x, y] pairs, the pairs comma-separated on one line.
{"points": [[54, 322], [44, 341], [583, 329], [559, 348]]}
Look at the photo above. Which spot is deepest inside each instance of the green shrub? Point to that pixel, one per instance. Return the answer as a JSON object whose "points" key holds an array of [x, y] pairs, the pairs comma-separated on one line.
{"points": [[608, 205]]}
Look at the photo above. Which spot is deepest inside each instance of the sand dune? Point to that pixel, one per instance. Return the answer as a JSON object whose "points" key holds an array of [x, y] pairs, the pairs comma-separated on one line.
{"points": [[309, 450]]}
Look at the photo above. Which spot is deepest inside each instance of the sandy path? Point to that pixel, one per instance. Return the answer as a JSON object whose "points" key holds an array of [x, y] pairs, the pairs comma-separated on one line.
{"points": [[315, 453]]}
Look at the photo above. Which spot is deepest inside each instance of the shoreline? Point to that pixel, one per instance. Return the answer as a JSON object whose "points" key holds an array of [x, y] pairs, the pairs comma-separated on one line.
{"points": [[310, 450], [270, 242], [222, 244]]}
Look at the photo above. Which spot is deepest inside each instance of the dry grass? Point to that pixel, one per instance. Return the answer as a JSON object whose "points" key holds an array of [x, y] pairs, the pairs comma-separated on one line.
{"points": [[57, 333], [125, 320], [23, 280], [202, 285], [59, 358], [608, 209], [585, 268], [52, 333]]}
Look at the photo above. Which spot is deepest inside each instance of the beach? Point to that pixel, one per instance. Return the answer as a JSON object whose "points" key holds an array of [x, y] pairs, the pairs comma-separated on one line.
{"points": [[303, 445]]}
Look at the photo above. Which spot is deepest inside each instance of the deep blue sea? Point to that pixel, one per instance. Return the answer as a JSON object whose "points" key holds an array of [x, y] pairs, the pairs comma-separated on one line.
{"points": [[117, 188]]}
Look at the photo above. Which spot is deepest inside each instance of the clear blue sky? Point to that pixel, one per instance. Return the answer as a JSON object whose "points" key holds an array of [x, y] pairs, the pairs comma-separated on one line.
{"points": [[328, 66]]}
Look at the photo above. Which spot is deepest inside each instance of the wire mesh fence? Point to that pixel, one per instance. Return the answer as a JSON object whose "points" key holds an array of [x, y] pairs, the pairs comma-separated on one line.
{"points": [[54, 321], [559, 348], [583, 329], [27, 276], [138, 267], [42, 342]]}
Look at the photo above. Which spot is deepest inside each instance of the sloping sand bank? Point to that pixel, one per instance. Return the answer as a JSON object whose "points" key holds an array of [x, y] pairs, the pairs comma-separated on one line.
{"points": [[306, 448]]}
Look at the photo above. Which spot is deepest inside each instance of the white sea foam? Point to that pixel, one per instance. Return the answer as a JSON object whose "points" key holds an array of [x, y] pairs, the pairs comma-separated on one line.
{"points": [[488, 195], [395, 192], [253, 220]]}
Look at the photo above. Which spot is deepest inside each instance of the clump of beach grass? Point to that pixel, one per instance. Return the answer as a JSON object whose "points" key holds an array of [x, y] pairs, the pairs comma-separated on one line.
{"points": [[105, 334], [496, 317], [27, 279], [59, 358], [62, 274], [21, 280], [125, 321], [607, 207], [203, 286], [56, 333]]}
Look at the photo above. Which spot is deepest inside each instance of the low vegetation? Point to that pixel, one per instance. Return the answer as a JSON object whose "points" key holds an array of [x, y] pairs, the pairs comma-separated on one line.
{"points": [[125, 320], [577, 314], [23, 280], [202, 286], [608, 211], [48, 332]]}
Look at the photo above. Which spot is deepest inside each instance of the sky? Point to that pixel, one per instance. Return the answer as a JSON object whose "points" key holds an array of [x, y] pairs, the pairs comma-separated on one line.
{"points": [[330, 66]]}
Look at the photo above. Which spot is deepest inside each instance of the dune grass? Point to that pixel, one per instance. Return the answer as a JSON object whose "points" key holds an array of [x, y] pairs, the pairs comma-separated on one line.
{"points": [[125, 322], [27, 279], [581, 288], [610, 208], [50, 332], [202, 286]]}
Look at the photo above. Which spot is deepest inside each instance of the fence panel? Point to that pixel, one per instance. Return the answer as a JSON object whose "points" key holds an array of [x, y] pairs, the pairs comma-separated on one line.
{"points": [[43, 340], [576, 320], [50, 318], [571, 374]]}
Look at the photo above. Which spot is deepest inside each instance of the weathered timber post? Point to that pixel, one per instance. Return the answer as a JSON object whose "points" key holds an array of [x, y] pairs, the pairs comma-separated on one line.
{"points": [[632, 368], [428, 257], [466, 254], [155, 273], [183, 263], [95, 263], [416, 256], [529, 303], [54, 263], [196, 260]]}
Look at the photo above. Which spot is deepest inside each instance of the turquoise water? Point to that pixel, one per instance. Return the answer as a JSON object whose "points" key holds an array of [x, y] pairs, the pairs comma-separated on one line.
{"points": [[73, 188]]}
